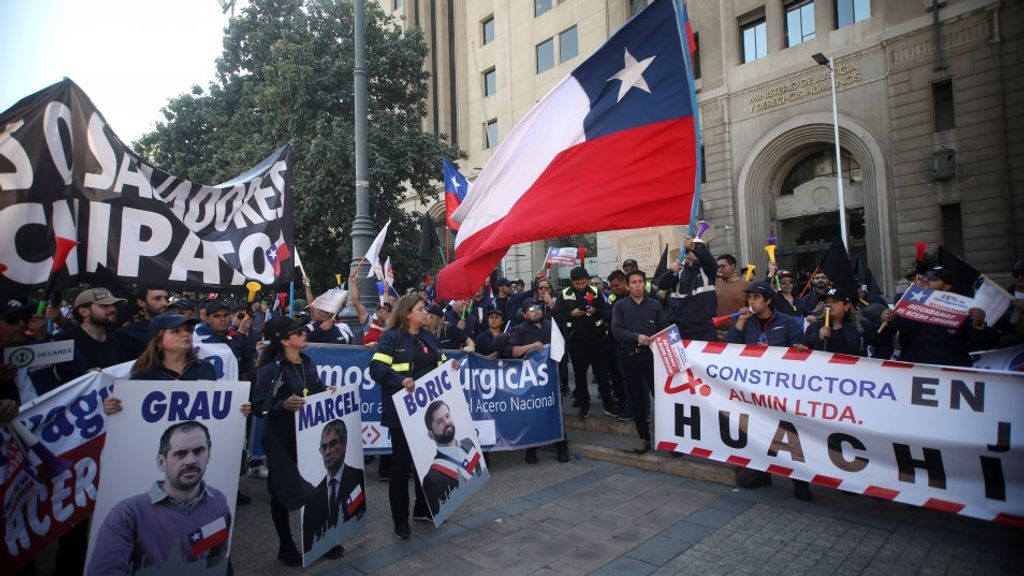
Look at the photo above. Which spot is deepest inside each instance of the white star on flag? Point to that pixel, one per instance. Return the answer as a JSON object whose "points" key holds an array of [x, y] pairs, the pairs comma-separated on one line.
{"points": [[455, 184], [632, 74], [918, 296]]}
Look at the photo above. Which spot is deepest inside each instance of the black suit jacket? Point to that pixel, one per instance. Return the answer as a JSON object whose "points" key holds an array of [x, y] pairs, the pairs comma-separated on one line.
{"points": [[316, 515]]}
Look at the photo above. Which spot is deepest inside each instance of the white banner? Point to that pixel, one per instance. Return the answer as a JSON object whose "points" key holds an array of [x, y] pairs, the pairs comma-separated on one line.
{"points": [[1010, 359], [940, 438], [561, 256]]}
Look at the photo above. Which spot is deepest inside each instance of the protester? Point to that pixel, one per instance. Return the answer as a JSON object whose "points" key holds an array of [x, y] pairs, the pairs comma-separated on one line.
{"points": [[132, 338], [449, 336], [531, 334], [502, 289], [284, 377], [843, 333], [580, 310], [617, 291], [406, 351], [729, 288], [932, 344], [183, 306], [634, 320], [787, 282], [376, 326], [215, 330], [814, 300], [1011, 325], [478, 310], [693, 302], [493, 342]]}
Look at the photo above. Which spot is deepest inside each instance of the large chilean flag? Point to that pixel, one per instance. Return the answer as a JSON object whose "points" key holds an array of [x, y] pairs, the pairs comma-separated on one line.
{"points": [[455, 189], [612, 146]]}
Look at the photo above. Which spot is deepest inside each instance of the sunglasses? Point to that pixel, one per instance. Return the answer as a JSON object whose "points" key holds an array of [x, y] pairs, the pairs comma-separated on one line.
{"points": [[535, 308], [297, 332], [543, 287]]}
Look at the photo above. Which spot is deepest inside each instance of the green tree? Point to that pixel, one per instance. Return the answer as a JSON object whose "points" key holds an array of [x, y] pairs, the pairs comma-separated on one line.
{"points": [[286, 76]]}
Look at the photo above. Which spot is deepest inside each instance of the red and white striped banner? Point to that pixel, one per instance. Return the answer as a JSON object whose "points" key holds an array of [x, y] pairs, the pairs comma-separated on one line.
{"points": [[941, 438]]}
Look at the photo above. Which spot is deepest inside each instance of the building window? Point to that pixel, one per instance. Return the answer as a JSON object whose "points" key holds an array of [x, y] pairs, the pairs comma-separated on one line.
{"points": [[753, 37], [850, 11], [952, 228], [487, 28], [545, 55], [696, 56], [799, 22], [942, 106], [542, 6], [568, 45], [491, 133], [703, 167], [490, 82]]}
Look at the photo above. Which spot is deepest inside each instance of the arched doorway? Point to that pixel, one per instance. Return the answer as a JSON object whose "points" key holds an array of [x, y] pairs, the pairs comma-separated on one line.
{"points": [[782, 157]]}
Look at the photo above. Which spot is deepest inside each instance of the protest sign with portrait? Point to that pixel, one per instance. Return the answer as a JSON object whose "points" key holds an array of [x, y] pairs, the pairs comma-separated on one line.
{"points": [[166, 497], [330, 457], [442, 439]]}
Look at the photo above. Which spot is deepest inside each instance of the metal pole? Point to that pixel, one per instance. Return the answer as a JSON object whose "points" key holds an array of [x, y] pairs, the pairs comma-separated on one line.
{"points": [[363, 228], [839, 162]]}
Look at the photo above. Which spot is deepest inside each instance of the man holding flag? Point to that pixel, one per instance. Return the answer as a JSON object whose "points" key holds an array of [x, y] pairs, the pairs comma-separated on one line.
{"points": [[624, 121]]}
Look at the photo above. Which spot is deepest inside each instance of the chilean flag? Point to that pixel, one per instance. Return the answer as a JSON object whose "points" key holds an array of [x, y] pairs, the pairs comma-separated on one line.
{"points": [[276, 254], [612, 146], [455, 189], [208, 536]]}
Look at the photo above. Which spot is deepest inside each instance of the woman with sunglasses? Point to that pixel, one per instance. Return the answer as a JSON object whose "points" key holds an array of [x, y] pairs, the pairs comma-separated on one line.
{"points": [[406, 351], [284, 377]]}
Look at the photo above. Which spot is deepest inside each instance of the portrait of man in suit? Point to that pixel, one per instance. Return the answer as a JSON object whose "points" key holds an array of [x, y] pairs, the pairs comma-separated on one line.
{"points": [[339, 496], [456, 462]]}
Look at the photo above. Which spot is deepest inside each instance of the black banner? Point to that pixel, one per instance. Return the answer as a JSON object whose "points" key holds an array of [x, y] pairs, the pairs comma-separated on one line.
{"points": [[64, 173]]}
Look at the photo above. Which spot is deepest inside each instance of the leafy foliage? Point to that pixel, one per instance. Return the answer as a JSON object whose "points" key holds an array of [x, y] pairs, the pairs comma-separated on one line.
{"points": [[285, 75]]}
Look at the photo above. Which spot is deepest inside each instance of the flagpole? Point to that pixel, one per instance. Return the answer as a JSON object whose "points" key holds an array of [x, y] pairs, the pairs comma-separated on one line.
{"points": [[681, 20], [291, 299], [447, 244]]}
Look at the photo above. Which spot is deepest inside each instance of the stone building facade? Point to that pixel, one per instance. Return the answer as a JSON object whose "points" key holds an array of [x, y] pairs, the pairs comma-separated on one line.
{"points": [[929, 108]]}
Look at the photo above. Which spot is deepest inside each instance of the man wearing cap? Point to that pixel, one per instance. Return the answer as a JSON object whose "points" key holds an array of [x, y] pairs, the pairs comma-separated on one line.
{"points": [[581, 311], [492, 342], [183, 306], [96, 312], [932, 344], [479, 306], [132, 339], [15, 386], [529, 335], [501, 295], [215, 329], [692, 302], [758, 323]]}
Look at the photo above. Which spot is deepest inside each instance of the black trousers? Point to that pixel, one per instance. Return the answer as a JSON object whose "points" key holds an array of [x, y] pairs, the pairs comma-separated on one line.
{"points": [[615, 374], [587, 354], [639, 370], [398, 483]]}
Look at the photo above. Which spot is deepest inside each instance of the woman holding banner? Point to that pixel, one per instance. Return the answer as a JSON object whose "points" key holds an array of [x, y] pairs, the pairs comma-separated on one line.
{"points": [[284, 377], [406, 351]]}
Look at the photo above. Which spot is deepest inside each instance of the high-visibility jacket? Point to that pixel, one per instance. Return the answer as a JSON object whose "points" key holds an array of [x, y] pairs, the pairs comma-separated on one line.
{"points": [[393, 361]]}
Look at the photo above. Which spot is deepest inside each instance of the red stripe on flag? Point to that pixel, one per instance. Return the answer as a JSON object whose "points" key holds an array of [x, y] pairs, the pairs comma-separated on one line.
{"points": [[671, 446], [1009, 519], [798, 355], [896, 364], [738, 460], [843, 359], [473, 462], [595, 183], [702, 452], [829, 481], [779, 470], [445, 471], [883, 493], [355, 504], [714, 347], [754, 350], [943, 505]]}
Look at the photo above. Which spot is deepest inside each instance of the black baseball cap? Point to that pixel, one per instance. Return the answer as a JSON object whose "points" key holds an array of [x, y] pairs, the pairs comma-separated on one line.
{"points": [[501, 282], [13, 310], [629, 262], [495, 312], [215, 305], [837, 294], [940, 273], [279, 327], [435, 310], [761, 288], [169, 320], [182, 304]]}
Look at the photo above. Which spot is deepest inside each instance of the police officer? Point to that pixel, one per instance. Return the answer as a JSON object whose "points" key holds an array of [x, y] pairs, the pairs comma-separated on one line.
{"points": [[692, 299], [581, 312]]}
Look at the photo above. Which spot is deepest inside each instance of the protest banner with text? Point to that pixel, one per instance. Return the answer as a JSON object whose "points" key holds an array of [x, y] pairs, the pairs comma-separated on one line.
{"points": [[944, 439]]}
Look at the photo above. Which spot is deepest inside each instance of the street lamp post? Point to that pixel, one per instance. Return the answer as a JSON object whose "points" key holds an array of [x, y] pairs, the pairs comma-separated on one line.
{"points": [[827, 61]]}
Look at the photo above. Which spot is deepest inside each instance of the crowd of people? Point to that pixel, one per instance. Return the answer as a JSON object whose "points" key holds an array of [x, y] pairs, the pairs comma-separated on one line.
{"points": [[607, 324]]}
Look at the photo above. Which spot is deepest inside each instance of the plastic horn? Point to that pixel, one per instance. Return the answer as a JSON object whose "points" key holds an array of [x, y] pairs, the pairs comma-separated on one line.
{"points": [[750, 272], [921, 247], [827, 310], [337, 278], [702, 228], [253, 287], [54, 466], [60, 257], [583, 255], [719, 320], [769, 247]]}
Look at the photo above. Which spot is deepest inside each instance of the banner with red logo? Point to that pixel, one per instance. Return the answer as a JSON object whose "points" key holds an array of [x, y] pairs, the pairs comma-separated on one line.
{"points": [[934, 307], [940, 438]]}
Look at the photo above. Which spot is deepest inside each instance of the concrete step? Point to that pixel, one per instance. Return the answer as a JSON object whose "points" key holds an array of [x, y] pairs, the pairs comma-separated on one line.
{"points": [[618, 448]]}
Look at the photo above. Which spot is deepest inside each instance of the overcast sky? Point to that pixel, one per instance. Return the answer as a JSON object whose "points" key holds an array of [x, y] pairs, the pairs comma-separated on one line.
{"points": [[129, 56]]}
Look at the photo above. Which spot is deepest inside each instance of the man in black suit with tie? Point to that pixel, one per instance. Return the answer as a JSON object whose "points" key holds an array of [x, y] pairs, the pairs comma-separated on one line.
{"points": [[340, 495], [455, 463]]}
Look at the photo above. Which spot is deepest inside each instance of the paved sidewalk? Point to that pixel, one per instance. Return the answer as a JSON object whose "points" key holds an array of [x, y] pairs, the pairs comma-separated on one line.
{"points": [[591, 517]]}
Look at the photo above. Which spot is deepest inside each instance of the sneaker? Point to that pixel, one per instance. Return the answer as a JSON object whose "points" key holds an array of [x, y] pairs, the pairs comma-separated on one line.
{"points": [[335, 553], [289, 555], [562, 449], [258, 471], [566, 393], [625, 417], [642, 447], [611, 413], [402, 532], [802, 490], [531, 455], [243, 499], [585, 412]]}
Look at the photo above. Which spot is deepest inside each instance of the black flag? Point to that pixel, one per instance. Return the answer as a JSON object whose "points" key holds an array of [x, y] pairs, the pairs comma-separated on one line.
{"points": [[428, 241], [964, 275], [662, 264], [836, 265]]}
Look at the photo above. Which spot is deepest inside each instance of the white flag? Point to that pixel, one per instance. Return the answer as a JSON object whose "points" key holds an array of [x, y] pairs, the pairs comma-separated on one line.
{"points": [[993, 299], [373, 254], [557, 343]]}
